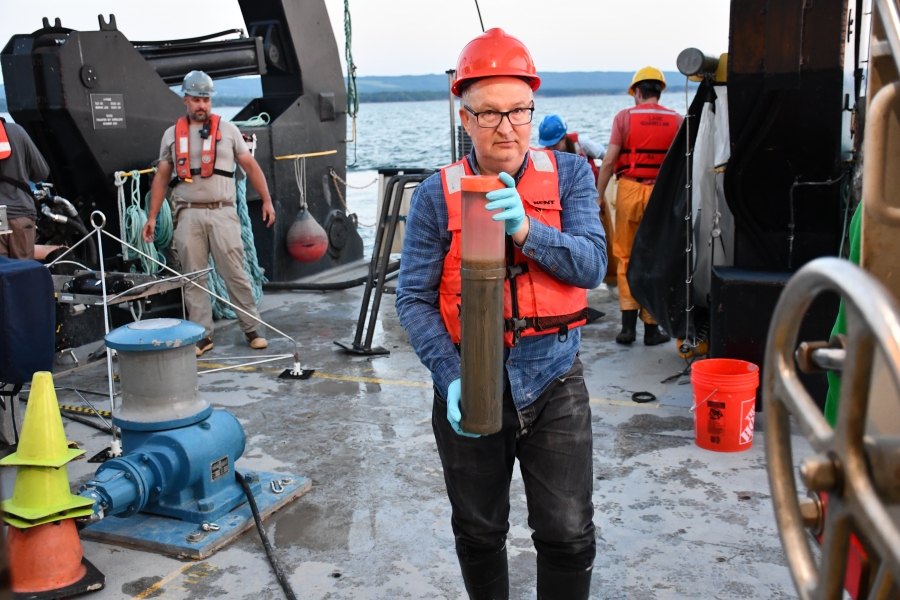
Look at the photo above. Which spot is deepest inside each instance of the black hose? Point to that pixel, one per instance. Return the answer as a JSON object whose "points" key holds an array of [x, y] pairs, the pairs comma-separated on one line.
{"points": [[325, 287], [270, 552], [90, 245], [86, 421]]}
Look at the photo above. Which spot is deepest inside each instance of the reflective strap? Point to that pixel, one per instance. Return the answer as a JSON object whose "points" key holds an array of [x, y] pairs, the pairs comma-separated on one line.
{"points": [[207, 144], [183, 145], [454, 175], [541, 161], [5, 147]]}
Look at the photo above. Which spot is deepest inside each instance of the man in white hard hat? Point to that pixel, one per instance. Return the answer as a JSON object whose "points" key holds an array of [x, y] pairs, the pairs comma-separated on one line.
{"points": [[196, 161]]}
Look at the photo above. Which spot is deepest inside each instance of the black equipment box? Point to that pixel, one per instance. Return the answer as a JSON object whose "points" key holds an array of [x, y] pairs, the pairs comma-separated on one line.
{"points": [[741, 306]]}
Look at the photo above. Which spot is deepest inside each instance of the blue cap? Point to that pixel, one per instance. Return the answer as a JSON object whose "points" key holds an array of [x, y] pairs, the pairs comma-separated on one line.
{"points": [[154, 335], [551, 130]]}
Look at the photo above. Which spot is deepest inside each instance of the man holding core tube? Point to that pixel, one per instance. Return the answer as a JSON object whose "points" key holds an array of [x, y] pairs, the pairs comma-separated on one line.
{"points": [[555, 252]]}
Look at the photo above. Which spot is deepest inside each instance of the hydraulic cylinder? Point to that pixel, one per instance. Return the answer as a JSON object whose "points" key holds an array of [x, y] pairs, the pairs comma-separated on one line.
{"points": [[481, 317]]}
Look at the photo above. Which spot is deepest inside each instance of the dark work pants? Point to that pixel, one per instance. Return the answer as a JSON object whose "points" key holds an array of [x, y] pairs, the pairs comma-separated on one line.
{"points": [[552, 440]]}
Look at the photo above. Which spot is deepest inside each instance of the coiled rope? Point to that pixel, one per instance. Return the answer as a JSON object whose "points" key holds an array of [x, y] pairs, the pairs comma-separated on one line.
{"points": [[132, 219], [251, 261], [260, 120]]}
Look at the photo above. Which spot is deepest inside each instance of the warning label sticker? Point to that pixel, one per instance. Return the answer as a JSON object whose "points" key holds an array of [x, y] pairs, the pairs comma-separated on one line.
{"points": [[716, 423], [108, 111], [218, 469]]}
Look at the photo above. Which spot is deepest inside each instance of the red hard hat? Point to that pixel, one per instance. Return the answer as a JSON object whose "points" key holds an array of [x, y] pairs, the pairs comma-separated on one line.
{"points": [[494, 53]]}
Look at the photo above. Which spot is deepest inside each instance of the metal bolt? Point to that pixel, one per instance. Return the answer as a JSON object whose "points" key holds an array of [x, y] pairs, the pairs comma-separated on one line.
{"points": [[194, 537], [819, 473], [811, 512], [157, 490], [145, 458], [127, 475], [204, 425], [205, 505]]}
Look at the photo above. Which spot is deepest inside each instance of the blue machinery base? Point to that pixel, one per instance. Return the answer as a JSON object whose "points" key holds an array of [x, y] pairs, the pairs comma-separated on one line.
{"points": [[182, 539]]}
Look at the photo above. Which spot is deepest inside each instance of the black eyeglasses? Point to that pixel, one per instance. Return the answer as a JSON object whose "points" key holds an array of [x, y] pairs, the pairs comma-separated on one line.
{"points": [[493, 118]]}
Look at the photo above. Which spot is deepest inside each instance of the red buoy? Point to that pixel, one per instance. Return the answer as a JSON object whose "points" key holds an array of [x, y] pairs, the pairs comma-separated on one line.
{"points": [[306, 240]]}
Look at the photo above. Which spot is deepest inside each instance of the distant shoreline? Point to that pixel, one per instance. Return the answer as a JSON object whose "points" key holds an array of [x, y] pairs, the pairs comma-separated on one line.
{"points": [[420, 96], [373, 97]]}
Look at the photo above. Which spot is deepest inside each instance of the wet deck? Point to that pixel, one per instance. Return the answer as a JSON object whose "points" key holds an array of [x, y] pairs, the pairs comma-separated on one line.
{"points": [[673, 520]]}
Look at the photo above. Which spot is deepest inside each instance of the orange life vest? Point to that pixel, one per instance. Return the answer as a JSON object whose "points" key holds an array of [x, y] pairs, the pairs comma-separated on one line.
{"points": [[651, 130], [535, 302], [210, 135], [5, 147], [579, 150]]}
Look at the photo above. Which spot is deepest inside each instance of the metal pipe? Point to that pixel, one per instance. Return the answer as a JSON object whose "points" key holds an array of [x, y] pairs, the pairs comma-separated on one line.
{"points": [[227, 58], [880, 113], [115, 447], [482, 277], [450, 75]]}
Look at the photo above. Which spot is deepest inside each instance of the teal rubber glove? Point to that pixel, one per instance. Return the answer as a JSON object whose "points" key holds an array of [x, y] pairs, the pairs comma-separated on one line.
{"points": [[513, 214], [453, 414]]}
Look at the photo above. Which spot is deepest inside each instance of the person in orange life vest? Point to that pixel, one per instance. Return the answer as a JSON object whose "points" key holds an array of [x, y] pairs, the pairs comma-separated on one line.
{"points": [[556, 251], [640, 138], [20, 162], [196, 164], [554, 134]]}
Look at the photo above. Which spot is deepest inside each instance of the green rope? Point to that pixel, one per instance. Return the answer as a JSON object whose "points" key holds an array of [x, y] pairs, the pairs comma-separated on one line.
{"points": [[260, 120], [135, 219], [251, 262], [352, 95]]}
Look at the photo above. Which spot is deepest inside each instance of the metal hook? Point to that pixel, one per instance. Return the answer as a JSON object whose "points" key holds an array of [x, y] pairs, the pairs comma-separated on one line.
{"points": [[276, 486]]}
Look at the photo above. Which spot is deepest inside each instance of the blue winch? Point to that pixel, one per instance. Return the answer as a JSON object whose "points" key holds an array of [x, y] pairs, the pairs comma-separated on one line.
{"points": [[178, 453]]}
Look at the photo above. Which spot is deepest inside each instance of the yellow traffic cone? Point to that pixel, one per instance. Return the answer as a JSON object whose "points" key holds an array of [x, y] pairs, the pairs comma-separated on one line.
{"points": [[42, 442], [42, 495]]}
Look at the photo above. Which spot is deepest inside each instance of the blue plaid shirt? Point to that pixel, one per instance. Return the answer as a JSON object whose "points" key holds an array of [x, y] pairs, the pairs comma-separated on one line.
{"points": [[576, 255]]}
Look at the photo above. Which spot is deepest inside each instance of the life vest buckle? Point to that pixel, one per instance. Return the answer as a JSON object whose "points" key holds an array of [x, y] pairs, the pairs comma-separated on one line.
{"points": [[516, 270]]}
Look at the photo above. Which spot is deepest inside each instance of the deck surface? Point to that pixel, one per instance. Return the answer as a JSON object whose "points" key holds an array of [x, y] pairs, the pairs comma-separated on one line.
{"points": [[673, 520]]}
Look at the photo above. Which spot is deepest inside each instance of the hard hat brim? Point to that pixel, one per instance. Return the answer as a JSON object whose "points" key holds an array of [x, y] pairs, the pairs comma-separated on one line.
{"points": [[199, 94], [550, 141]]}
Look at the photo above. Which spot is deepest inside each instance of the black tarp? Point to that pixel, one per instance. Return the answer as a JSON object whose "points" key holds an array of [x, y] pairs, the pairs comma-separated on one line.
{"points": [[657, 272]]}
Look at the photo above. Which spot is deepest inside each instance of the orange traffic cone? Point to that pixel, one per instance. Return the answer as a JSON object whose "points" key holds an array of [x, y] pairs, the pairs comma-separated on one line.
{"points": [[46, 557]]}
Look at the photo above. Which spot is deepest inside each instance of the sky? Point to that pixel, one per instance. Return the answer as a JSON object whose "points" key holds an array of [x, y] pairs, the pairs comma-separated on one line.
{"points": [[417, 37]]}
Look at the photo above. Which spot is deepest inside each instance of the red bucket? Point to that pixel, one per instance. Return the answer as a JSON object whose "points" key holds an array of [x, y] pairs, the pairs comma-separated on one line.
{"points": [[724, 403]]}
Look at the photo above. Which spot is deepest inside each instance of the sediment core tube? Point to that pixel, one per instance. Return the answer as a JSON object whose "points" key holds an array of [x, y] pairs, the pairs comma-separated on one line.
{"points": [[481, 315]]}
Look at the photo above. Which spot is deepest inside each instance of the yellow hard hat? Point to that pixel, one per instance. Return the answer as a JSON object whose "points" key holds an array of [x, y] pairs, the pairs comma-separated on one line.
{"points": [[647, 74]]}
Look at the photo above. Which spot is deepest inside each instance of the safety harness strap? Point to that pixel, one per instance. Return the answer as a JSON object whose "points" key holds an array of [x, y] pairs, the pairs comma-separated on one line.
{"points": [[16, 183], [559, 322]]}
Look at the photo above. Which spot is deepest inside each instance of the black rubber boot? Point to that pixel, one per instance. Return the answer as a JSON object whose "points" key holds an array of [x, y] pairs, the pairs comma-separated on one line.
{"points": [[486, 579], [563, 585], [629, 327], [653, 336]]}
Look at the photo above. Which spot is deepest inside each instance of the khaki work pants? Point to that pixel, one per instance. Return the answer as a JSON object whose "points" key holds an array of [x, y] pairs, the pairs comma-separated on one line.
{"points": [[199, 232], [631, 201], [19, 243]]}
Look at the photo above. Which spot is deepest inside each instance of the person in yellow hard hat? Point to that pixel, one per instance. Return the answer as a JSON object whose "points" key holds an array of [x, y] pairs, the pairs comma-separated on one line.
{"points": [[640, 138]]}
